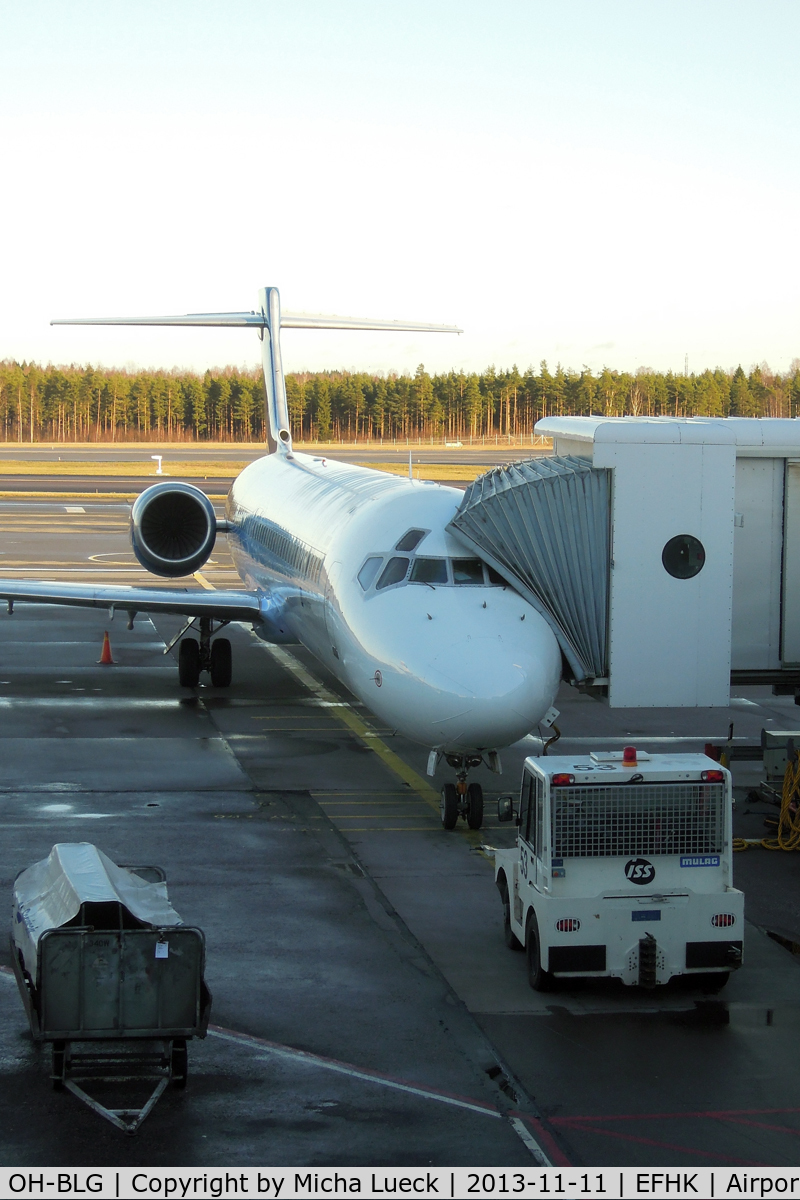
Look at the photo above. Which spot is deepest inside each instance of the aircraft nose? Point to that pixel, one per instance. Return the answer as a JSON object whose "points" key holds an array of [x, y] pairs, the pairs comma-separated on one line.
{"points": [[497, 692]]}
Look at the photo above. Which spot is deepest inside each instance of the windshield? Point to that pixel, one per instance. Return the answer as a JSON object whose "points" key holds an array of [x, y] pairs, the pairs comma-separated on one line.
{"points": [[467, 570], [429, 570], [394, 572]]}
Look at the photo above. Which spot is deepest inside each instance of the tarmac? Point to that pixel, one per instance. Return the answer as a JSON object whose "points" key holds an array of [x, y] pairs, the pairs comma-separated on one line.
{"points": [[366, 1010]]}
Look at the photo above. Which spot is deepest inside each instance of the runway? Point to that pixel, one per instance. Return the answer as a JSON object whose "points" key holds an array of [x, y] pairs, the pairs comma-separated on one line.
{"points": [[366, 1009]]}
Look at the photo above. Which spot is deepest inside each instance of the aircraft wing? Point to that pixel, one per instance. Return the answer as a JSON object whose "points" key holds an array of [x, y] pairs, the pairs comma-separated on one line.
{"points": [[220, 605]]}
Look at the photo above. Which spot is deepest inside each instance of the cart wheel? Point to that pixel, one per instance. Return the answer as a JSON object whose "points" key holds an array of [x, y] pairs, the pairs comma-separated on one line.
{"points": [[179, 1063], [58, 1066], [474, 806], [189, 663], [539, 979], [448, 806], [510, 938]]}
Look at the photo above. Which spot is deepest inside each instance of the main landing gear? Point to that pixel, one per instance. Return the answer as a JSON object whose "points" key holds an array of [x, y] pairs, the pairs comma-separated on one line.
{"points": [[205, 655], [460, 799]]}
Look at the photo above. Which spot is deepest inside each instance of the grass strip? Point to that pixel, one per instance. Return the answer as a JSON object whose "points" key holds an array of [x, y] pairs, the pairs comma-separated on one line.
{"points": [[117, 470], [436, 471]]}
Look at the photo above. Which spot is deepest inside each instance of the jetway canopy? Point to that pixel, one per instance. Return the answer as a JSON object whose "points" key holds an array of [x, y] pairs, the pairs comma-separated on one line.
{"points": [[543, 524], [704, 556]]}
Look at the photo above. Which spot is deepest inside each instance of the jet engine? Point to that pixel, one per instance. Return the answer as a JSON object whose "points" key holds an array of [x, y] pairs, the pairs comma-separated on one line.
{"points": [[173, 529]]}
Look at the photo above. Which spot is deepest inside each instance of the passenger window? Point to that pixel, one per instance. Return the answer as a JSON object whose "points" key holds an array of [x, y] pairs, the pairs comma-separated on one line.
{"points": [[467, 570], [410, 540], [495, 579], [368, 572], [429, 570], [394, 572]]}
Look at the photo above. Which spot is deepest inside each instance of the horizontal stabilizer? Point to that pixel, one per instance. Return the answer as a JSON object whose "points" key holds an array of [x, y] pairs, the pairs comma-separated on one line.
{"points": [[302, 321], [255, 320], [223, 320]]}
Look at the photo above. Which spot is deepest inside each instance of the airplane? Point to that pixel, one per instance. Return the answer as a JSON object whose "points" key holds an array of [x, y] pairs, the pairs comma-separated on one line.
{"points": [[354, 564]]}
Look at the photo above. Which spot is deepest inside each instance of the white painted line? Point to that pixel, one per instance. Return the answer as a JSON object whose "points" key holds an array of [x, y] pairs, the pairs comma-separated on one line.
{"points": [[527, 1138], [340, 1068]]}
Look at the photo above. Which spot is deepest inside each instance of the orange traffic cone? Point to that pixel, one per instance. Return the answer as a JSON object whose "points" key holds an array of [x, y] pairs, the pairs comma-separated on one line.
{"points": [[105, 658]]}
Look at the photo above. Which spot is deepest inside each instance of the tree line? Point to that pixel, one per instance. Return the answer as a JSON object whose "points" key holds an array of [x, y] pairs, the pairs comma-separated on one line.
{"points": [[87, 404]]}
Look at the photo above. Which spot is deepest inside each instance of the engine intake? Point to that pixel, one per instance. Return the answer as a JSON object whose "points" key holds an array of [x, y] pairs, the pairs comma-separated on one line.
{"points": [[173, 529]]}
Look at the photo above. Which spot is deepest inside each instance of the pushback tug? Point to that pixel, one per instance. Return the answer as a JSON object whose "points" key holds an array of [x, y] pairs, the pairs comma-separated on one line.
{"points": [[622, 868]]}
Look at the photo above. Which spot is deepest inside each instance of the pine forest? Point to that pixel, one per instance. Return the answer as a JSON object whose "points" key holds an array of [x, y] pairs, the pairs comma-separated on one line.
{"points": [[85, 404]]}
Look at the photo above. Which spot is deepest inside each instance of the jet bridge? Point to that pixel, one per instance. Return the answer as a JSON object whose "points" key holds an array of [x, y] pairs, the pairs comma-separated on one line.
{"points": [[664, 553], [544, 526]]}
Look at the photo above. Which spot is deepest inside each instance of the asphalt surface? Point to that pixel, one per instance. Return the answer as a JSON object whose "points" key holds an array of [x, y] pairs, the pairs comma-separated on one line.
{"points": [[343, 924], [110, 484], [487, 452], [174, 454]]}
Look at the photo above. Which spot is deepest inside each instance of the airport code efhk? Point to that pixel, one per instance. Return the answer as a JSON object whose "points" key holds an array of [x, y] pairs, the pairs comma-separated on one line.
{"points": [[611, 1184]]}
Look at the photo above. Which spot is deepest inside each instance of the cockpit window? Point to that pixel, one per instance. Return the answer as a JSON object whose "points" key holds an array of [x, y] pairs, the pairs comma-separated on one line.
{"points": [[394, 572], [410, 540], [436, 572], [429, 570], [467, 570], [368, 572]]}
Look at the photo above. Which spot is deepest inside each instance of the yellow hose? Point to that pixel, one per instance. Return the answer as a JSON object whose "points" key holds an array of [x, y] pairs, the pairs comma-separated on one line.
{"points": [[788, 822]]}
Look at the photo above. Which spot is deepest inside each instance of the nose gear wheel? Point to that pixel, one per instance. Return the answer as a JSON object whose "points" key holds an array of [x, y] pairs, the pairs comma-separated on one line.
{"points": [[460, 799]]}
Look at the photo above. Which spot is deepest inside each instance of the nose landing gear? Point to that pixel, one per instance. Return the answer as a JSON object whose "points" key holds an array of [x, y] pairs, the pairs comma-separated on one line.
{"points": [[461, 799]]}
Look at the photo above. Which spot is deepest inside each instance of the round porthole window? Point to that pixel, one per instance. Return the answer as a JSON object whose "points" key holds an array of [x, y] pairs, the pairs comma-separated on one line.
{"points": [[683, 556]]}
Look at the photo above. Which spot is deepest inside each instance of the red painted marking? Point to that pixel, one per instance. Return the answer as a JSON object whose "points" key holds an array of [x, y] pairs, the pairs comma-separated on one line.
{"points": [[629, 1137], [763, 1125], [545, 1139], [722, 1113]]}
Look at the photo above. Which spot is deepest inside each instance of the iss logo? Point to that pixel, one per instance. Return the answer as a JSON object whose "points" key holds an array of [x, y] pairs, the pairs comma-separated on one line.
{"points": [[639, 870]]}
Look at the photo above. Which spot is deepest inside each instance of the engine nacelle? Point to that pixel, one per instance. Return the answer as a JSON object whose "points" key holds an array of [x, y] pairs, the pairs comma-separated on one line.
{"points": [[173, 529]]}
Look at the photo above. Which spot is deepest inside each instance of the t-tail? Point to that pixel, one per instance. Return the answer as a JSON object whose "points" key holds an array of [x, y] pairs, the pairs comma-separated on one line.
{"points": [[269, 321]]}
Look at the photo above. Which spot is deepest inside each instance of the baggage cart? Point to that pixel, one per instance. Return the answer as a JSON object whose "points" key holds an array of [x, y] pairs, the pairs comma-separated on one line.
{"points": [[108, 974]]}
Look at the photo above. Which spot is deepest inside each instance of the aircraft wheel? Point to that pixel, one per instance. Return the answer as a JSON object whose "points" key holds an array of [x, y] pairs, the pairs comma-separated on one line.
{"points": [[474, 806], [448, 806], [189, 663], [510, 938], [539, 979], [221, 665]]}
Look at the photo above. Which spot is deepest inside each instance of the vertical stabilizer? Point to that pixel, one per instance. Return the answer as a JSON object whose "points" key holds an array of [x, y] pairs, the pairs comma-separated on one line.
{"points": [[279, 433]]}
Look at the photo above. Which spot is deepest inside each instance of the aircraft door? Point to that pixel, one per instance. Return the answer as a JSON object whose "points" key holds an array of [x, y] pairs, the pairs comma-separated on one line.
{"points": [[537, 830], [527, 860], [331, 608]]}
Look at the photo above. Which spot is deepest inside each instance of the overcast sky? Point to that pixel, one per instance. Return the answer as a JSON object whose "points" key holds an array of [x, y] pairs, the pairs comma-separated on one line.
{"points": [[584, 181]]}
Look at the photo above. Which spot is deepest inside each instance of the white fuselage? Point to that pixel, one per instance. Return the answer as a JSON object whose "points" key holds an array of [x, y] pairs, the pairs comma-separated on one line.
{"points": [[457, 666]]}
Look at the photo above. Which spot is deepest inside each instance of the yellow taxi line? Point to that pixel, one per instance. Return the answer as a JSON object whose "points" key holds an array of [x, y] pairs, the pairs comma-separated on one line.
{"points": [[344, 713]]}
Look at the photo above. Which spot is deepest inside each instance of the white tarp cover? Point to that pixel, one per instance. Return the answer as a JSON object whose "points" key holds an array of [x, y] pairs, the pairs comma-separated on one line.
{"points": [[51, 892]]}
